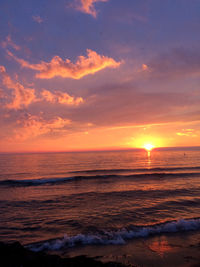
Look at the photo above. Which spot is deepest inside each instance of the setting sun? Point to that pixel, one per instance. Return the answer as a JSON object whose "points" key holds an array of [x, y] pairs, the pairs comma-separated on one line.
{"points": [[149, 142], [149, 147]]}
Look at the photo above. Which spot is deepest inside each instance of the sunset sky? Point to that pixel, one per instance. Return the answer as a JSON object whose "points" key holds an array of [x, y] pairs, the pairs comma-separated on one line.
{"points": [[99, 74]]}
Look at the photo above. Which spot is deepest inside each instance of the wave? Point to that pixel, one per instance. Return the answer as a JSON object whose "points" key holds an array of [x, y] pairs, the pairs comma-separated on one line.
{"points": [[42, 181], [114, 195], [31, 182], [117, 237], [158, 169]]}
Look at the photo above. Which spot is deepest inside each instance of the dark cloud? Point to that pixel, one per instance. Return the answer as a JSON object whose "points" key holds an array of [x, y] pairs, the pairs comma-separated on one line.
{"points": [[118, 105], [176, 63]]}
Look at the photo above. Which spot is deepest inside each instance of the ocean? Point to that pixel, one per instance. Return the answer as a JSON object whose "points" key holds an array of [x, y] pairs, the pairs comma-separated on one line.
{"points": [[64, 201]]}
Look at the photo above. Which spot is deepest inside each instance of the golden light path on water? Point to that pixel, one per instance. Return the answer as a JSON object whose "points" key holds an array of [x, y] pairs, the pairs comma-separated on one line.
{"points": [[148, 147]]}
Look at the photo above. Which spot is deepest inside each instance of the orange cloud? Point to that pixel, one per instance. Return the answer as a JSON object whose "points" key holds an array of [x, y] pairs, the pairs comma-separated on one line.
{"points": [[66, 69], [2, 94], [87, 6], [187, 132], [144, 67], [22, 97], [35, 126], [61, 98]]}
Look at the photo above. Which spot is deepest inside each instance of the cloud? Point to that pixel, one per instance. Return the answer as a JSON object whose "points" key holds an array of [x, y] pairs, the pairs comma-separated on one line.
{"points": [[66, 69], [9, 42], [2, 94], [176, 63], [34, 126], [87, 6], [22, 97], [104, 107], [61, 98], [144, 67], [37, 19], [187, 132]]}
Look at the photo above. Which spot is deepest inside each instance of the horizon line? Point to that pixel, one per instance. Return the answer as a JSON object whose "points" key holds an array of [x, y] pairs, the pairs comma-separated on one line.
{"points": [[113, 149]]}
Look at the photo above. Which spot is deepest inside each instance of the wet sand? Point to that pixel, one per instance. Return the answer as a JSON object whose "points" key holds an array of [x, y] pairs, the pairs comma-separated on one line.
{"points": [[170, 250], [177, 249]]}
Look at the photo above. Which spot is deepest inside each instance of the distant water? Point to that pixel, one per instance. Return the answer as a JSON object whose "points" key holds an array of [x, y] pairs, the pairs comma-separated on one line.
{"points": [[57, 200]]}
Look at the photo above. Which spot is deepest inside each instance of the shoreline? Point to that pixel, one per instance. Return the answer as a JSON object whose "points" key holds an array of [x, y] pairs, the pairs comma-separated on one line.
{"points": [[166, 250], [15, 255]]}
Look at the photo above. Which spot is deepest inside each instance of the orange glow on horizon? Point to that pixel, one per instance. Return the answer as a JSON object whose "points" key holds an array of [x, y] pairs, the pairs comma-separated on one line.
{"points": [[148, 142]]}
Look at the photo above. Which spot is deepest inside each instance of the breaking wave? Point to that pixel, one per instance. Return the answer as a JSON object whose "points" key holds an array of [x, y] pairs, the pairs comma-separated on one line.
{"points": [[117, 237]]}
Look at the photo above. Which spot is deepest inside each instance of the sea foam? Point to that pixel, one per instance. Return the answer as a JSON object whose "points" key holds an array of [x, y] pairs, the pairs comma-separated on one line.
{"points": [[117, 237]]}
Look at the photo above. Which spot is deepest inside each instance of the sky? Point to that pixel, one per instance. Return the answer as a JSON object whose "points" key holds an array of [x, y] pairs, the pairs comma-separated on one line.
{"points": [[99, 74]]}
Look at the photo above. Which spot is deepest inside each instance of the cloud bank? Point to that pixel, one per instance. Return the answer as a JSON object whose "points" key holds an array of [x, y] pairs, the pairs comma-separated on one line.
{"points": [[176, 63], [90, 64]]}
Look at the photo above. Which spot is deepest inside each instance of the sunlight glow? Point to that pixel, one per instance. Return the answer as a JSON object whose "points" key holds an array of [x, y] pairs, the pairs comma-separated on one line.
{"points": [[148, 147], [148, 142]]}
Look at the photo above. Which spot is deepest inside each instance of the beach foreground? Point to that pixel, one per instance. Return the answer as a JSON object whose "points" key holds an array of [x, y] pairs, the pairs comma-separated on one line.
{"points": [[14, 255], [165, 250], [168, 250]]}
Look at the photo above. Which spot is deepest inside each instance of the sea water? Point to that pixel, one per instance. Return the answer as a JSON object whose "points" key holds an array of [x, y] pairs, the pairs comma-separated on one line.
{"points": [[56, 201]]}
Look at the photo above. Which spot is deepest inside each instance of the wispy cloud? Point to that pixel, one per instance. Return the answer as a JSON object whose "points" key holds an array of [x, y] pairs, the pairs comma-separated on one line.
{"points": [[87, 6], [187, 132], [37, 19], [66, 69], [61, 98], [22, 97], [34, 126], [9, 43]]}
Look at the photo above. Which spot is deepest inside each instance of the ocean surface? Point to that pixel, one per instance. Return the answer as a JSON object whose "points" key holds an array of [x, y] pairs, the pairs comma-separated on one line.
{"points": [[55, 201]]}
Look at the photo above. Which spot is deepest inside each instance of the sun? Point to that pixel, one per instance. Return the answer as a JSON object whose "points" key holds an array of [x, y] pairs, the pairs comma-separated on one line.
{"points": [[148, 142], [148, 147]]}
